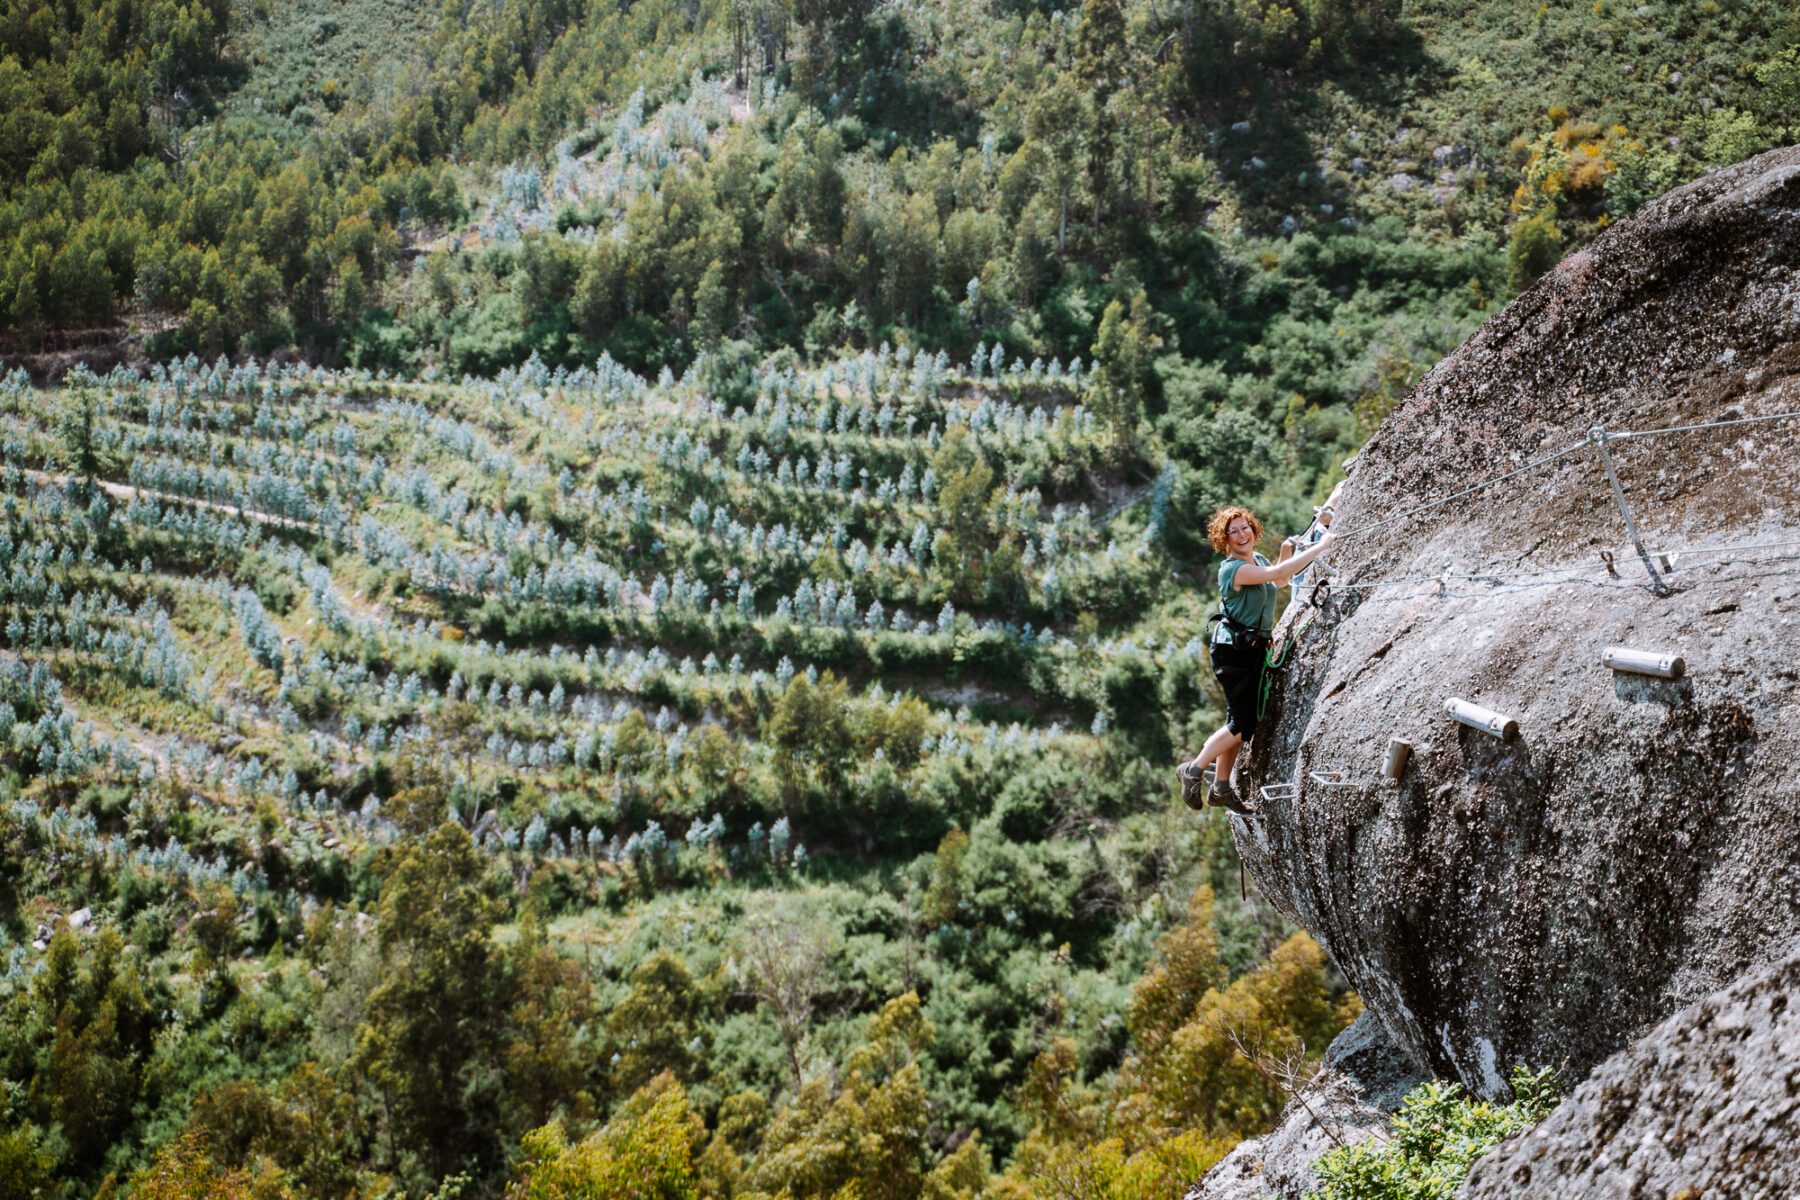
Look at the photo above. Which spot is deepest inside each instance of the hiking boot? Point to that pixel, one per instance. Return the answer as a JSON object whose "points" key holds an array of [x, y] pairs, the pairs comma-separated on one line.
{"points": [[1223, 793], [1193, 785]]}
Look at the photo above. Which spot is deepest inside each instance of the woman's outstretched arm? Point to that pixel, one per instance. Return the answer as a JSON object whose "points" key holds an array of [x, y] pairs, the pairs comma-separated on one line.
{"points": [[1252, 574]]}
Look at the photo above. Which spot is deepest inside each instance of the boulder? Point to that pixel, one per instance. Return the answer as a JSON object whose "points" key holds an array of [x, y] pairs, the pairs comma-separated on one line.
{"points": [[1707, 1105], [1544, 900]]}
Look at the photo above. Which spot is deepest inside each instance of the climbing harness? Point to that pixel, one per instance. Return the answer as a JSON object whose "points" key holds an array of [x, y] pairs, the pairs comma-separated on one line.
{"points": [[1250, 634]]}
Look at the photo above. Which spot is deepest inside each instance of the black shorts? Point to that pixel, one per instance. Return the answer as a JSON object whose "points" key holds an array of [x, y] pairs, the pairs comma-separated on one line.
{"points": [[1238, 666]]}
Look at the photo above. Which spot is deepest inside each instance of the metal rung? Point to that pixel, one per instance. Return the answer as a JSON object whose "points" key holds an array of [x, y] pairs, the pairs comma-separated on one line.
{"points": [[1332, 779], [1279, 791]]}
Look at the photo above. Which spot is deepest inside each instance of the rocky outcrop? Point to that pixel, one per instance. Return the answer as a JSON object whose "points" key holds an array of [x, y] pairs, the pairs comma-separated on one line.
{"points": [[1546, 900], [1363, 1081], [1707, 1105]]}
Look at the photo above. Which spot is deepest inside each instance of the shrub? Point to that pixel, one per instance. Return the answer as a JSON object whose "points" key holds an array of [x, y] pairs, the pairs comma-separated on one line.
{"points": [[1438, 1135], [1729, 135], [1534, 248], [184, 1171], [1640, 174]]}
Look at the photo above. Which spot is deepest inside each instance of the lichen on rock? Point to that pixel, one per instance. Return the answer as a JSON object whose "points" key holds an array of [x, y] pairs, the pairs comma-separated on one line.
{"points": [[1708, 1104]]}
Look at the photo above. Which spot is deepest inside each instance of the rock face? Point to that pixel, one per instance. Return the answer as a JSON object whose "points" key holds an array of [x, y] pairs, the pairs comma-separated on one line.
{"points": [[1707, 1104], [1364, 1080], [1547, 900]]}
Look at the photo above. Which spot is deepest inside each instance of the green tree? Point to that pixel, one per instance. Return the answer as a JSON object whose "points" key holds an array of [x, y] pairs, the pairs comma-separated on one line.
{"points": [[430, 1044], [26, 1168], [311, 1127], [712, 304], [216, 937], [835, 34], [943, 898], [1212, 1072], [653, 1029], [810, 729], [906, 238], [81, 1036], [183, 1170], [1102, 64], [646, 1152], [896, 729], [962, 504], [868, 1134], [75, 429], [1059, 126], [551, 1008], [1187, 967], [1125, 351]]}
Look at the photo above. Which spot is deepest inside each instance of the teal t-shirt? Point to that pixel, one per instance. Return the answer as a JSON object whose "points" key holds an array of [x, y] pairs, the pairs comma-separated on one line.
{"points": [[1253, 605]]}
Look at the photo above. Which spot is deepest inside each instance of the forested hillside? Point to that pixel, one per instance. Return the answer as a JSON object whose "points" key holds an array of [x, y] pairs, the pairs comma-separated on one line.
{"points": [[393, 768], [617, 608], [1314, 200]]}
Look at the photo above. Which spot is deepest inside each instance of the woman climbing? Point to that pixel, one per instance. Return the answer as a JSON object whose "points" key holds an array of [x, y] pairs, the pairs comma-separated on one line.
{"points": [[1246, 616]]}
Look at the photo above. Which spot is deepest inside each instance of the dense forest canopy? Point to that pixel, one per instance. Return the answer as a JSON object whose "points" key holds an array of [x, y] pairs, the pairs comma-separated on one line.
{"points": [[623, 628], [815, 174]]}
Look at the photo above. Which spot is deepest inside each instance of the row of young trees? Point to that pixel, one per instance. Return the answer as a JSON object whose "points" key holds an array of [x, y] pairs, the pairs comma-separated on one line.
{"points": [[419, 678]]}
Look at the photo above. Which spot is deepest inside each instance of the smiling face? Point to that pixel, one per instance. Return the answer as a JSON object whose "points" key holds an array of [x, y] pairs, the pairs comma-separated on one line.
{"points": [[1234, 530]]}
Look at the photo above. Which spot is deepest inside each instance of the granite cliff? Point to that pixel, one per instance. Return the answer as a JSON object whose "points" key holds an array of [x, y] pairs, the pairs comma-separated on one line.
{"points": [[1550, 898]]}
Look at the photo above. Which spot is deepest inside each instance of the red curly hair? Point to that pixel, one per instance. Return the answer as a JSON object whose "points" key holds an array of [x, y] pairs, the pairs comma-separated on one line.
{"points": [[1215, 525]]}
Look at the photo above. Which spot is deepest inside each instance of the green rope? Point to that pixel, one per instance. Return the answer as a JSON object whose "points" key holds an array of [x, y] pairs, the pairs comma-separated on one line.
{"points": [[1278, 656], [1273, 661]]}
